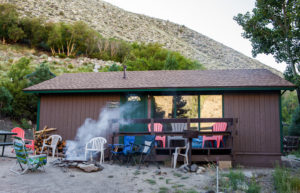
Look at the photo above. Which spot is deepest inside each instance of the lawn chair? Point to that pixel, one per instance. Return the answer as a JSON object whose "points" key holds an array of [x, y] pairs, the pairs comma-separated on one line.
{"points": [[145, 149], [178, 153], [158, 128], [96, 145], [218, 138], [177, 127], [54, 141], [24, 161], [21, 133], [127, 148]]}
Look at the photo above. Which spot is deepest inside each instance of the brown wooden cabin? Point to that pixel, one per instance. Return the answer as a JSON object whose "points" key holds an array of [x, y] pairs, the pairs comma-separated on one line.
{"points": [[253, 97]]}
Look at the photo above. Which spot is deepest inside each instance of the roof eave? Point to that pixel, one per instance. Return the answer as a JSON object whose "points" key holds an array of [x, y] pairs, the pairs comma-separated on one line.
{"points": [[161, 89]]}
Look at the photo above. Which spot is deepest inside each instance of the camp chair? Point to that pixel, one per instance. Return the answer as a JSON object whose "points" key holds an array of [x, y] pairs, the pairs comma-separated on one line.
{"points": [[127, 148], [197, 142], [218, 138], [177, 127], [96, 145], [21, 133], [26, 162], [54, 140], [145, 149], [158, 128], [178, 153]]}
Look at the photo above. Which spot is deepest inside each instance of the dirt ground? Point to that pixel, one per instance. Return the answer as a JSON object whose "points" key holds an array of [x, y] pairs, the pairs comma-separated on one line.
{"points": [[113, 178]]}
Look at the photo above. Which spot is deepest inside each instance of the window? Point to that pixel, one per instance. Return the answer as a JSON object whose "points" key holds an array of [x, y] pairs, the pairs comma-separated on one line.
{"points": [[187, 106], [163, 107], [210, 107]]}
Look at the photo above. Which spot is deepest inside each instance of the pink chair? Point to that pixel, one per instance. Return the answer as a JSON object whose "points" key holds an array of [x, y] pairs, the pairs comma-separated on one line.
{"points": [[20, 133], [218, 138], [158, 128]]}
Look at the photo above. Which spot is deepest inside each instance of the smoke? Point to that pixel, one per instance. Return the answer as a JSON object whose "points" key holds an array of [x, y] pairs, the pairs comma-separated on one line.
{"points": [[75, 149]]}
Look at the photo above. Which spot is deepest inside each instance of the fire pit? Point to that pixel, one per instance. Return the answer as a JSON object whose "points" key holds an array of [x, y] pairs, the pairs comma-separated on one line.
{"points": [[86, 166]]}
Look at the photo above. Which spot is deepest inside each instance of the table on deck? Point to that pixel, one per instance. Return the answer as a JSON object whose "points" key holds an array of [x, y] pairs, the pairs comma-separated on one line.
{"points": [[4, 143]]}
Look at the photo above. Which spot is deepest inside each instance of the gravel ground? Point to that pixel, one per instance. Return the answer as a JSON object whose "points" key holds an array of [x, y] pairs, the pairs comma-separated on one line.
{"points": [[113, 178]]}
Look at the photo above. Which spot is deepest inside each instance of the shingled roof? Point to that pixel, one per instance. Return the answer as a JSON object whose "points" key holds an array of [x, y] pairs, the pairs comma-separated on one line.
{"points": [[246, 78]]}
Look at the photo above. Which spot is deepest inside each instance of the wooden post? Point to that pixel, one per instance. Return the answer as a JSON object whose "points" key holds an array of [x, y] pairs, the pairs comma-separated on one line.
{"points": [[190, 143], [190, 152], [234, 134]]}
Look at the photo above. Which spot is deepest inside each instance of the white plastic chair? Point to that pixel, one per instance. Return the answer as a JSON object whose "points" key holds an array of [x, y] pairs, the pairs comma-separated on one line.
{"points": [[54, 140], [96, 144], [177, 153], [177, 127]]}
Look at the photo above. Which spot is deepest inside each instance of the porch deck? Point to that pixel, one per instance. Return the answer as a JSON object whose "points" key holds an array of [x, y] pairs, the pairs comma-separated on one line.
{"points": [[204, 154]]}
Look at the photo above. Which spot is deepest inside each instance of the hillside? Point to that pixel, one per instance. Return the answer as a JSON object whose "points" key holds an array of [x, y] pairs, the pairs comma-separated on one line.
{"points": [[113, 22]]}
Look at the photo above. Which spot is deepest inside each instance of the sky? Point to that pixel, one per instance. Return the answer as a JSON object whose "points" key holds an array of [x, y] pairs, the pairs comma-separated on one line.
{"points": [[213, 18]]}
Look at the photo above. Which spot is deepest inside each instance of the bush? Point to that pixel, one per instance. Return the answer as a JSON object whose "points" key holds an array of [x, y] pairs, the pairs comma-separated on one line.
{"points": [[5, 101], [284, 182], [294, 129]]}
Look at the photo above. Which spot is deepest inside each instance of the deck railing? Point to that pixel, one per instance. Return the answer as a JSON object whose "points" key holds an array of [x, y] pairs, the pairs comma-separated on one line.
{"points": [[230, 132]]}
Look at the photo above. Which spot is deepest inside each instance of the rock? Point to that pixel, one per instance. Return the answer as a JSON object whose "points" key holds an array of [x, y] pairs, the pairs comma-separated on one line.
{"points": [[158, 172], [72, 175], [201, 170], [194, 168], [242, 186], [88, 168], [184, 168], [248, 174]]}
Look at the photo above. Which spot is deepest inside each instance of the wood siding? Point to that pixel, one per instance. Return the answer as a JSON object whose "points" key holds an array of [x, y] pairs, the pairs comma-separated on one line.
{"points": [[258, 139], [68, 112]]}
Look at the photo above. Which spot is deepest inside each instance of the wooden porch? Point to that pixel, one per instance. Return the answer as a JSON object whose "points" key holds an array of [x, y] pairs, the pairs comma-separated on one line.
{"points": [[204, 154]]}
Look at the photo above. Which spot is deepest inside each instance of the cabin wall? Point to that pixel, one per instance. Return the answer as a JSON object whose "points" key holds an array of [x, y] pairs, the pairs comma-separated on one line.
{"points": [[68, 112], [258, 139]]}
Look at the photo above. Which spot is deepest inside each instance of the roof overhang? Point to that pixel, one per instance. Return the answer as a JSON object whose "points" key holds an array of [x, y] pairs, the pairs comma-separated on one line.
{"points": [[162, 90]]}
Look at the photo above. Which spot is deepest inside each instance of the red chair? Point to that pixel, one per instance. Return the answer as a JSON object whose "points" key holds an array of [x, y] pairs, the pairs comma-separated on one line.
{"points": [[158, 128], [218, 138], [20, 133]]}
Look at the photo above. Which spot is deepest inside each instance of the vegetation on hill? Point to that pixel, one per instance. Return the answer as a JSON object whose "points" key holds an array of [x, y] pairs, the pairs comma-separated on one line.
{"points": [[67, 40], [78, 39]]}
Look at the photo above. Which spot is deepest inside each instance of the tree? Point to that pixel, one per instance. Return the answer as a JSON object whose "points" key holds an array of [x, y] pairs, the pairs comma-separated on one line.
{"points": [[273, 28], [9, 21], [22, 102], [171, 62], [294, 129], [41, 73], [5, 101], [179, 104]]}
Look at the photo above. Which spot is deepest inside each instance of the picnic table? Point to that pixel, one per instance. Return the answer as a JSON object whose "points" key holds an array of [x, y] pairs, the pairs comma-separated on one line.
{"points": [[4, 143]]}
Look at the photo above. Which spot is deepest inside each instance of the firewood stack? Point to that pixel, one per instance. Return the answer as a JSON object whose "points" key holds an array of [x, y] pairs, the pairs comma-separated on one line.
{"points": [[39, 137]]}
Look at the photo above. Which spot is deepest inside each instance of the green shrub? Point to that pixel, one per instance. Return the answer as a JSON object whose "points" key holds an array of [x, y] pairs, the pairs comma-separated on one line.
{"points": [[235, 178], [25, 124], [5, 101], [294, 129], [284, 182], [253, 187]]}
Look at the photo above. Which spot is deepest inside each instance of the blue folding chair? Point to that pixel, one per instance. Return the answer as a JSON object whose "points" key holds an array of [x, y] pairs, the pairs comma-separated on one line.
{"points": [[145, 149], [127, 148]]}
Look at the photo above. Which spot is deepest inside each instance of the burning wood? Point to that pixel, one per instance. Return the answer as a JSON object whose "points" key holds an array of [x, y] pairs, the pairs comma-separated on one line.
{"points": [[39, 137], [84, 165]]}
